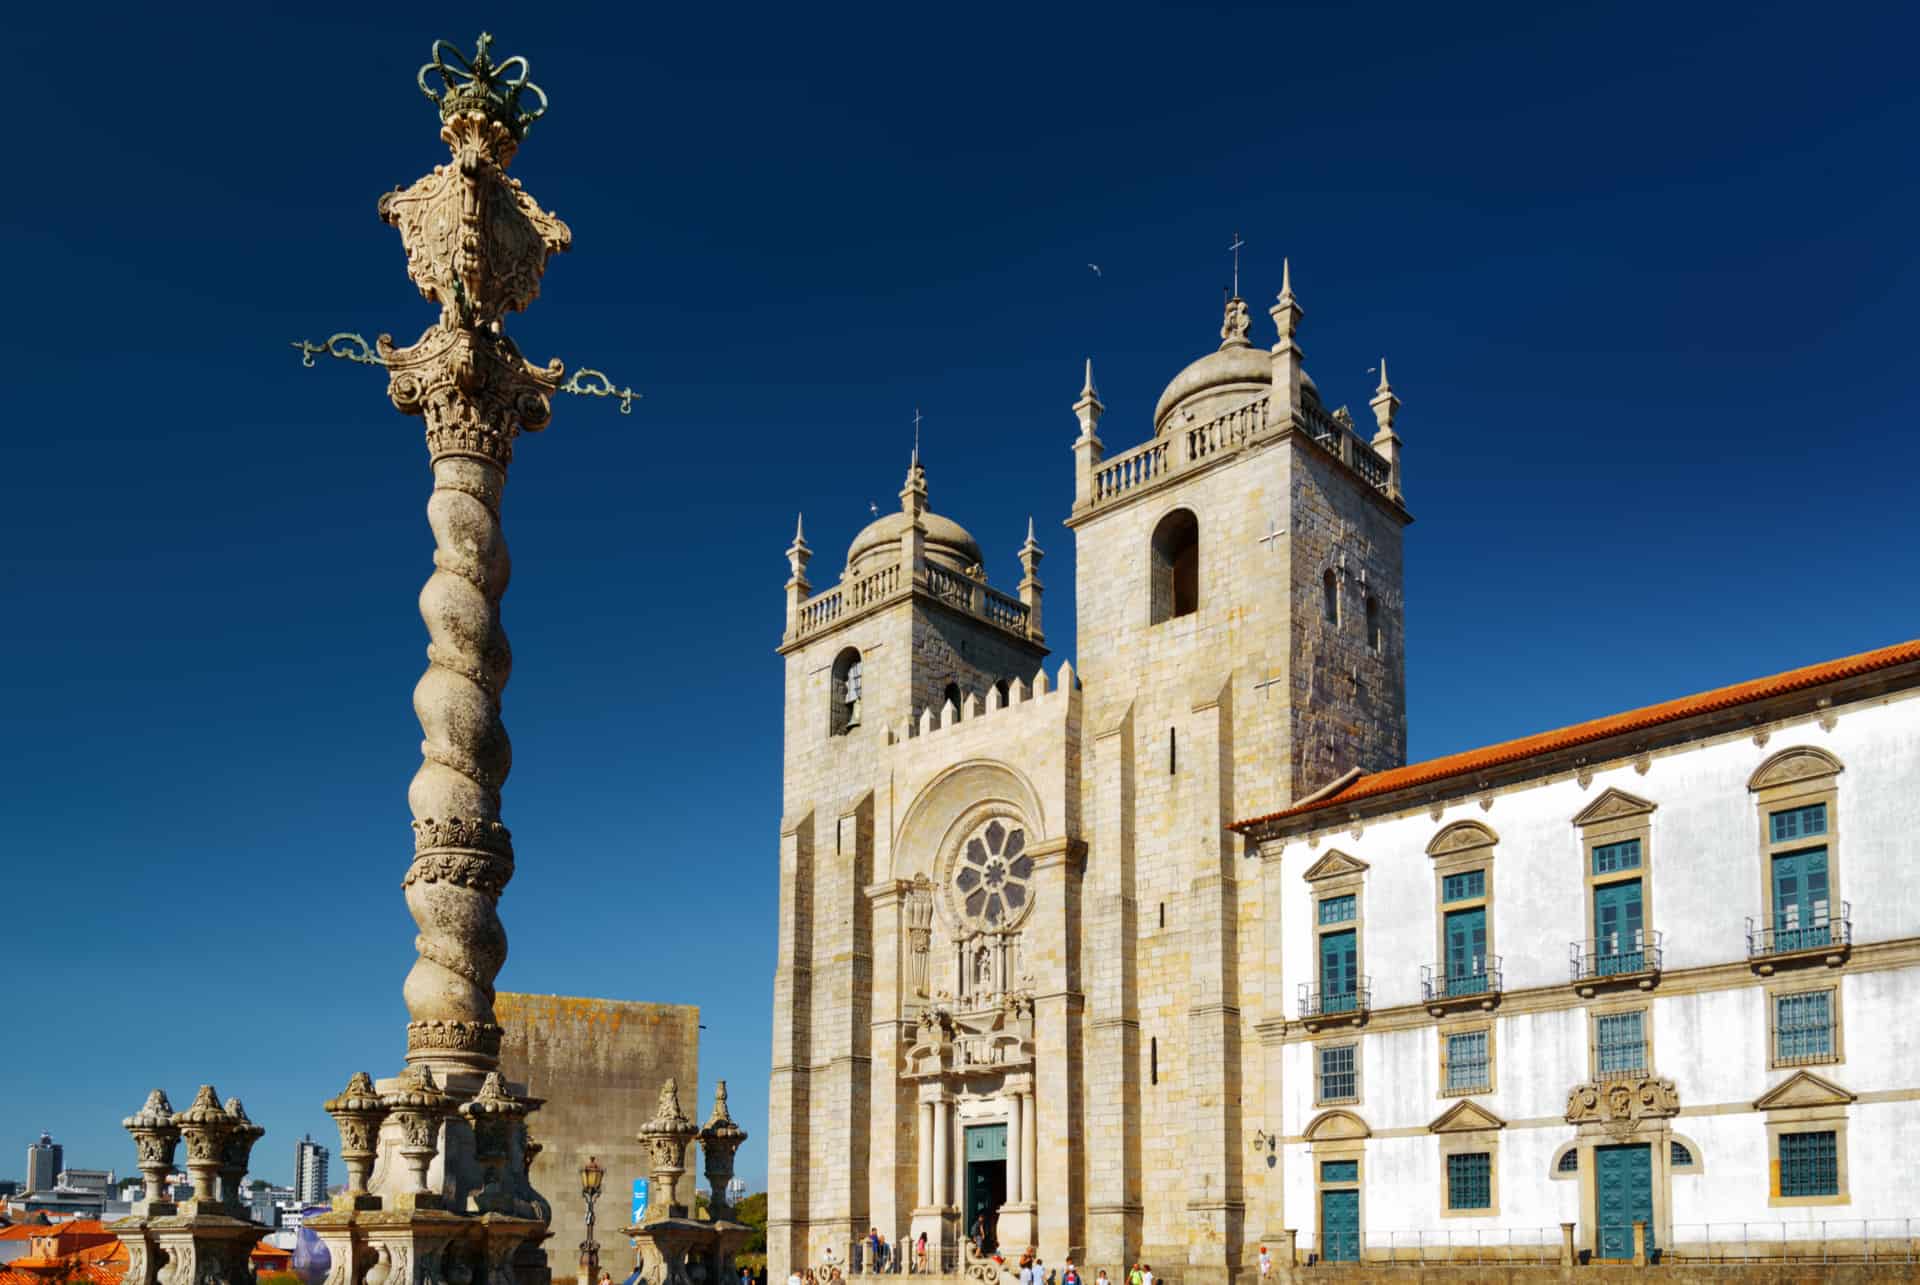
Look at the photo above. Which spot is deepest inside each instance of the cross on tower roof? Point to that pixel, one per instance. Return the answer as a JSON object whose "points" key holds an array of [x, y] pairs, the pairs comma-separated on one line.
{"points": [[1236, 247]]}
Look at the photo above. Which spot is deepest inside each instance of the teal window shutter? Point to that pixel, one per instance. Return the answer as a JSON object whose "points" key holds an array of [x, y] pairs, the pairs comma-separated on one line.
{"points": [[1809, 1164], [1339, 910], [1620, 1044], [1465, 886], [1798, 823], [1467, 1066], [1470, 1181], [1609, 858]]}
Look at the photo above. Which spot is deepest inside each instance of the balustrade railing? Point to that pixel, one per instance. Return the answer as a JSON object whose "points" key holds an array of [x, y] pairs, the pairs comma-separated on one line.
{"points": [[1228, 430], [887, 582], [1787, 935], [1617, 955], [1134, 468]]}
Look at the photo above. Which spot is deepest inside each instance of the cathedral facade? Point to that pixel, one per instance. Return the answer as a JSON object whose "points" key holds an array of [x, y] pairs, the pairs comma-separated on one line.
{"points": [[1015, 928], [1068, 955]]}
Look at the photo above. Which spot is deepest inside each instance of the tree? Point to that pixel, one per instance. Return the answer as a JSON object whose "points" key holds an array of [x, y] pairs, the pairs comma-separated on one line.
{"points": [[753, 1212]]}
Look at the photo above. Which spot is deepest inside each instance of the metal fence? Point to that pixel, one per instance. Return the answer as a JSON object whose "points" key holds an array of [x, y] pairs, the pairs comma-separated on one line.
{"points": [[1833, 1240]]}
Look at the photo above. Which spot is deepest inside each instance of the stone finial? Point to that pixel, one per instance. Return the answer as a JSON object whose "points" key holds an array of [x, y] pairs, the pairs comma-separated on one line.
{"points": [[665, 1137], [1089, 407], [1386, 442], [1288, 359], [206, 1126], [417, 1105], [913, 495], [1286, 310], [238, 1153], [1030, 586], [155, 1136], [493, 1114], [358, 1110], [718, 1142]]}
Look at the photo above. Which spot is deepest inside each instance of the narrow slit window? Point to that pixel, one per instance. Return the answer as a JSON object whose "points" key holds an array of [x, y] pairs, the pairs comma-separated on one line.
{"points": [[1153, 1059], [1173, 751], [1329, 598], [1373, 622]]}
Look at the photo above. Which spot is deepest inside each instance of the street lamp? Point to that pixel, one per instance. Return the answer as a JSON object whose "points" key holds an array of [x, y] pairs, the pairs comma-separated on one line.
{"points": [[591, 1175]]}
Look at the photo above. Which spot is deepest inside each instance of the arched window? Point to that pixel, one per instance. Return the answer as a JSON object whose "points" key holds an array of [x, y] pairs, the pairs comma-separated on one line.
{"points": [[1569, 1161], [1175, 587], [845, 706], [1373, 622], [950, 697], [1329, 598], [1005, 688]]}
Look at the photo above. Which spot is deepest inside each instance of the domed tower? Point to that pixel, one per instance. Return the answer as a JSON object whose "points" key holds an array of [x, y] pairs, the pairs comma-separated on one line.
{"points": [[910, 631], [1239, 622]]}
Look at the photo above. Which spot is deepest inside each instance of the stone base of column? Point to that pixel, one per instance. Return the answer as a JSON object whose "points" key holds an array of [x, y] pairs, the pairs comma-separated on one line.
{"points": [[1113, 1237], [431, 1247], [198, 1240], [1018, 1228], [942, 1228]]}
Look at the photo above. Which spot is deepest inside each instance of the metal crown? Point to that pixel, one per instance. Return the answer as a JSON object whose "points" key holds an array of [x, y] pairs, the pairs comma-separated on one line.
{"points": [[481, 85]]}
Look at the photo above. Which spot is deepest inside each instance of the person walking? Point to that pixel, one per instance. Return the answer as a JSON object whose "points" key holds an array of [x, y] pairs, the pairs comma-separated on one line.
{"points": [[1070, 1276], [920, 1252], [1266, 1264]]}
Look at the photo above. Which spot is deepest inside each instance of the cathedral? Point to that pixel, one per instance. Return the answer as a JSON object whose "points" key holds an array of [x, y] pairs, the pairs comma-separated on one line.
{"points": [[1166, 954]]}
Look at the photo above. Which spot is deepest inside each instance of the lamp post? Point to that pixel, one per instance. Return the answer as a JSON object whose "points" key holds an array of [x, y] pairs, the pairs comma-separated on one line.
{"points": [[591, 1175]]}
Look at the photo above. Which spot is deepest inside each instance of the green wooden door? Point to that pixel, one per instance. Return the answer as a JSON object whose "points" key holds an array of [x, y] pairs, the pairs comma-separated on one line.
{"points": [[1800, 907], [1339, 972], [1618, 929], [1623, 1183], [1340, 1226], [1467, 951]]}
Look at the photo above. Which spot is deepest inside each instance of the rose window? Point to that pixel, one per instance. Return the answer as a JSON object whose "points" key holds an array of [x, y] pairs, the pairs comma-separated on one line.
{"points": [[991, 878]]}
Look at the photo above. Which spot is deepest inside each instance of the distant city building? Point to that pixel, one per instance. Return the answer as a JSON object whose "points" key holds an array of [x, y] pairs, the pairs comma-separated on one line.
{"points": [[96, 1180], [45, 1159], [9, 1186], [310, 1172]]}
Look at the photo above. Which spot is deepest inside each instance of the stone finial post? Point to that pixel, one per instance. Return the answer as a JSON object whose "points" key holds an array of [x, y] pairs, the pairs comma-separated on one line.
{"points": [[206, 1127], [913, 540], [797, 587], [718, 1141], [359, 1111], [1287, 355], [1566, 1244], [1639, 1242], [1386, 441], [494, 1114], [236, 1155], [1087, 448], [418, 1106], [155, 1136], [476, 245], [665, 1137], [1030, 586]]}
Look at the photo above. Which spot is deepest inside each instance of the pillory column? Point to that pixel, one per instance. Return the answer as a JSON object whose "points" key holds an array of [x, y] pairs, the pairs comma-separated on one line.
{"points": [[476, 245]]}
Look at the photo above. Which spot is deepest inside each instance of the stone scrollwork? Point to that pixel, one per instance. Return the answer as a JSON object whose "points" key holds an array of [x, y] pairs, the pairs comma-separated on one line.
{"points": [[1620, 1105]]}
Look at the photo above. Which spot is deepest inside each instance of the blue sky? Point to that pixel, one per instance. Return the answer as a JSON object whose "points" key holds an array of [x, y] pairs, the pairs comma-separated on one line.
{"points": [[1643, 273]]}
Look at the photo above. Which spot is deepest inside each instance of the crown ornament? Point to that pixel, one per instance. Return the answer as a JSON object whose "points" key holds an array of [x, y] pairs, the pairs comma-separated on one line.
{"points": [[479, 84]]}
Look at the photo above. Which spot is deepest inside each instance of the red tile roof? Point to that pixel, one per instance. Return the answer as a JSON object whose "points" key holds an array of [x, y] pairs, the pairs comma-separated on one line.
{"points": [[1633, 720]]}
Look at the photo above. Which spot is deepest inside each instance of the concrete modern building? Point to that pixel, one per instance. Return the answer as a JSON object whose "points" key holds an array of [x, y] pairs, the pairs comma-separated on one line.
{"points": [[310, 1172], [45, 1159], [599, 1064], [1082, 957]]}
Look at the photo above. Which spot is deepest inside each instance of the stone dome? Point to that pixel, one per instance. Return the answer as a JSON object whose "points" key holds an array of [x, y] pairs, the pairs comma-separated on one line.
{"points": [[1236, 373], [948, 544]]}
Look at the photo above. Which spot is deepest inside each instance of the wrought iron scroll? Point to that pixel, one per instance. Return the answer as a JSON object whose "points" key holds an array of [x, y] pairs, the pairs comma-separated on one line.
{"points": [[347, 346]]}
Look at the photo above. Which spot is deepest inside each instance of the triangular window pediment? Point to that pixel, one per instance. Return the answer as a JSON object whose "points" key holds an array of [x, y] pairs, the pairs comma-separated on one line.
{"points": [[1460, 837], [1803, 1089], [1612, 805], [1334, 864], [1789, 766], [1466, 1117], [1337, 1126]]}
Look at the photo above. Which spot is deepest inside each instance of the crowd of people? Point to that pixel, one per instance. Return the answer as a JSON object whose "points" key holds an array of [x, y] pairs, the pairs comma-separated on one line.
{"points": [[882, 1256]]}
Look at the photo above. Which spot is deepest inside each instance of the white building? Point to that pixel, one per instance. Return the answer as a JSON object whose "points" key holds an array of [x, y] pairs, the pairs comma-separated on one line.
{"points": [[310, 1172], [1651, 968]]}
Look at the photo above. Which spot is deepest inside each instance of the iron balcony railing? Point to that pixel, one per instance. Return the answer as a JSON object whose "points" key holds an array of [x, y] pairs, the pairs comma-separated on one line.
{"points": [[1787, 936], [1616, 955], [1317, 1001], [1454, 978]]}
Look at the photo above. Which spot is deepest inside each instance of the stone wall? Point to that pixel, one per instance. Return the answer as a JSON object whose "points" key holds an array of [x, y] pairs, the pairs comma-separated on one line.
{"points": [[599, 1064]]}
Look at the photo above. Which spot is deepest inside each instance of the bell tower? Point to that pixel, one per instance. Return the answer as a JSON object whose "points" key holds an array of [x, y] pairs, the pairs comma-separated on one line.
{"points": [[910, 637], [1240, 609]]}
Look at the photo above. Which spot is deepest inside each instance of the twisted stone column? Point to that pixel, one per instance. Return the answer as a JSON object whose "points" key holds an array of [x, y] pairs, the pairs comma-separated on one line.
{"points": [[476, 244]]}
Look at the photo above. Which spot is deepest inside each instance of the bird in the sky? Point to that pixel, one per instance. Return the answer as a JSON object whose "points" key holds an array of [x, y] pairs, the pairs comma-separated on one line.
{"points": [[1096, 269], [873, 508]]}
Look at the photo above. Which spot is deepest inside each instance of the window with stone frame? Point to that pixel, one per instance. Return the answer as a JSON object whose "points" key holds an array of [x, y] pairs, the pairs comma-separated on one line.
{"points": [[1173, 588], [1336, 1074], [847, 682]]}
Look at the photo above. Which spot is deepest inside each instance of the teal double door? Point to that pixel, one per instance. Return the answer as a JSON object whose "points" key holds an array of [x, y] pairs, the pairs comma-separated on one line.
{"points": [[1340, 1211], [1801, 915], [1467, 951], [1619, 928], [1339, 972], [1623, 1193], [986, 1146]]}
